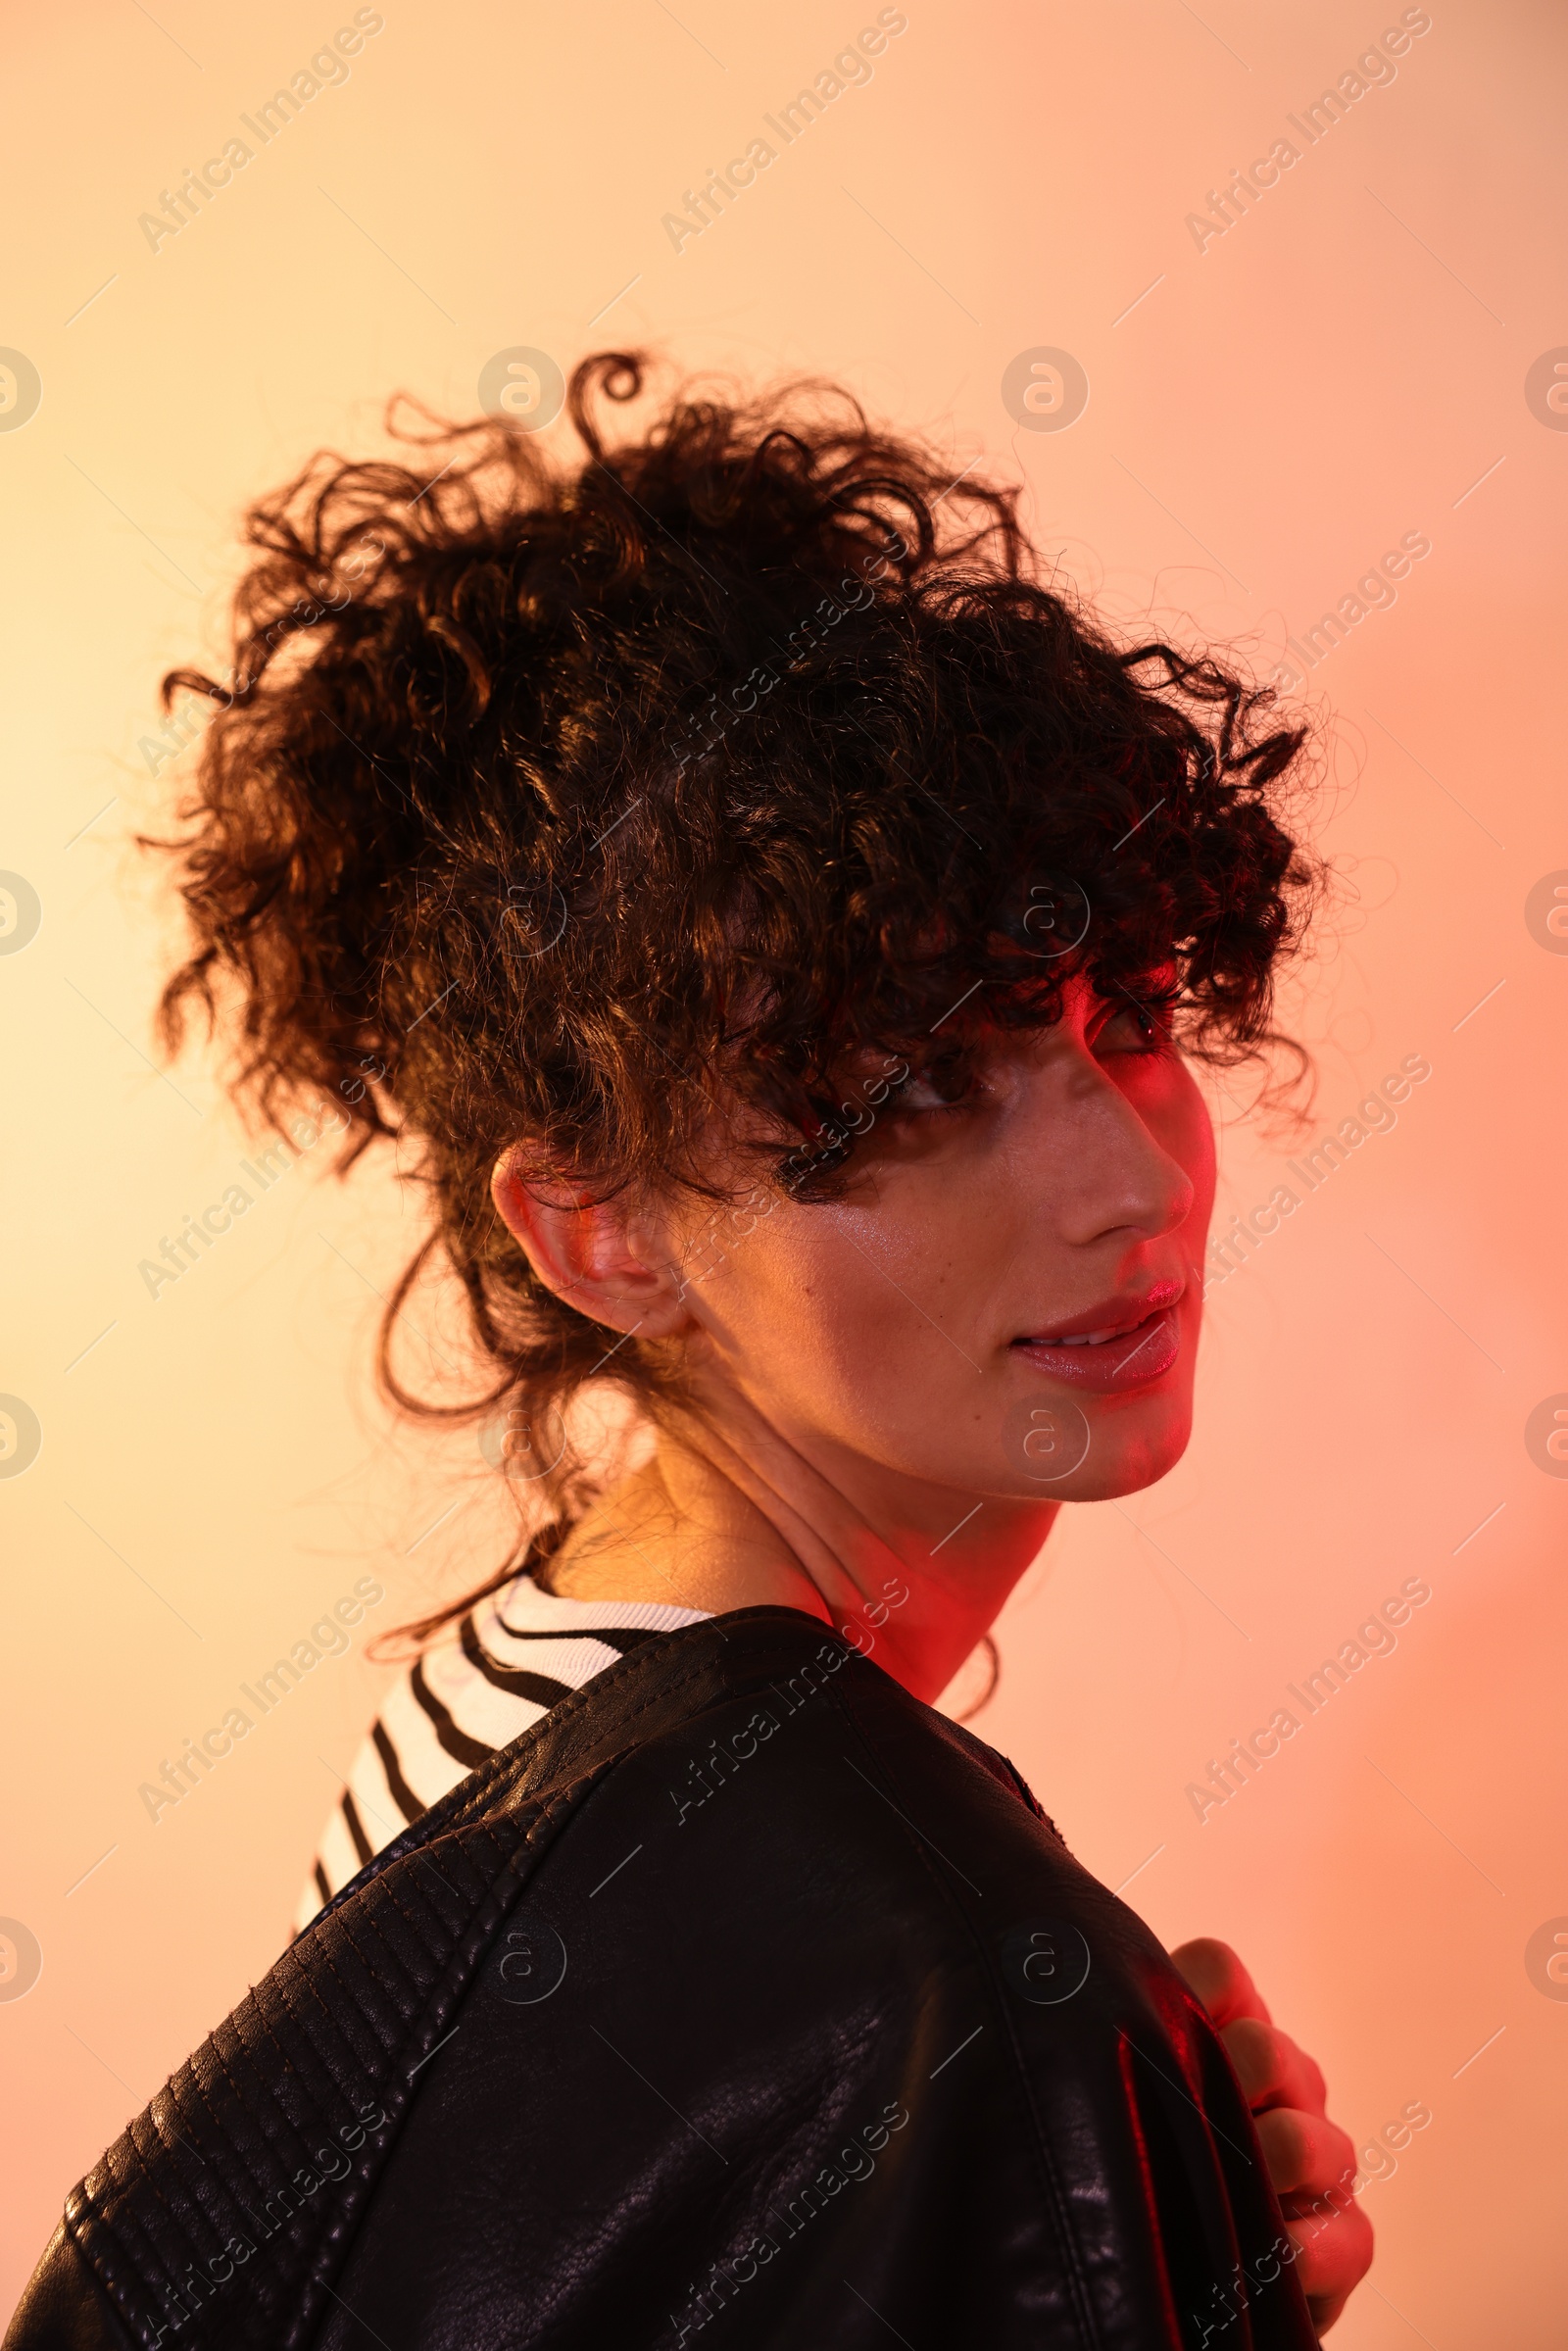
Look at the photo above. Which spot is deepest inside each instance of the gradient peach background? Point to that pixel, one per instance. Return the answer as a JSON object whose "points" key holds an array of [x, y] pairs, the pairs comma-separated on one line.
{"points": [[1265, 417]]}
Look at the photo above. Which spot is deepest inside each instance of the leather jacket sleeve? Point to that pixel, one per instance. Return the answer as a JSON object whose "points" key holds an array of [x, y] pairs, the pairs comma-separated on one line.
{"points": [[744, 2000], [65, 2308]]}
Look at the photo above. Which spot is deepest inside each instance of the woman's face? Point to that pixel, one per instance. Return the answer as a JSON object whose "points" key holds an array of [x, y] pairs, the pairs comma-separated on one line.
{"points": [[1006, 1300]]}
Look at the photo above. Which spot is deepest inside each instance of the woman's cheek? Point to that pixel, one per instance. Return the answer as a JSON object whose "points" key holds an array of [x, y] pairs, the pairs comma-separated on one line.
{"points": [[843, 1334]]}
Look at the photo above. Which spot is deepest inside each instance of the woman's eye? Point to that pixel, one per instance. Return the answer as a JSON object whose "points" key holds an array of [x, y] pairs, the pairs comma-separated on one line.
{"points": [[929, 1094], [1141, 1028]]}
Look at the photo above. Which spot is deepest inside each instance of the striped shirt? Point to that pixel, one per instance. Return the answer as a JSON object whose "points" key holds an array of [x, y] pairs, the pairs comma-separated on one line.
{"points": [[481, 1684]]}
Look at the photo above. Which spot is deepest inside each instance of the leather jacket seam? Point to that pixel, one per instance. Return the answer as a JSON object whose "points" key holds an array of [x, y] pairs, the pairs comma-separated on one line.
{"points": [[447, 1995], [132, 2275]]}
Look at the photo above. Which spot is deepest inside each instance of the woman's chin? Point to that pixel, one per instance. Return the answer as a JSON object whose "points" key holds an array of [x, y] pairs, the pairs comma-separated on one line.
{"points": [[1123, 1452], [1132, 1459]]}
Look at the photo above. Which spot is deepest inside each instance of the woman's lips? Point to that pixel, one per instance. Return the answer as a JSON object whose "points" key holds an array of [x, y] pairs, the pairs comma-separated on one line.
{"points": [[1132, 1359]]}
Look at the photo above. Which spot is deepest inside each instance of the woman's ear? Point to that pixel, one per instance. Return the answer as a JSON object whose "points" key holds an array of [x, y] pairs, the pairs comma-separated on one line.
{"points": [[605, 1258]]}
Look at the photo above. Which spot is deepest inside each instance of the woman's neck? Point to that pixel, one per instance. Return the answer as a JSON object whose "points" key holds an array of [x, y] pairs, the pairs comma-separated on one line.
{"points": [[736, 1516]]}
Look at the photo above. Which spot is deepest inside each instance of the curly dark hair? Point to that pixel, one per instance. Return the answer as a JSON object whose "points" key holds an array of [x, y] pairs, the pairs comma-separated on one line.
{"points": [[548, 802]]}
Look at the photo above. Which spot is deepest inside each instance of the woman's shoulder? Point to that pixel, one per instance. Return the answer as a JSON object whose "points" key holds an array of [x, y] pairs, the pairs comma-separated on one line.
{"points": [[758, 1783], [712, 1777], [738, 1884]]}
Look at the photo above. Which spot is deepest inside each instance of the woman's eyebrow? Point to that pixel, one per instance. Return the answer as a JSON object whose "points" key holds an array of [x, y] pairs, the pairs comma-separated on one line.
{"points": [[1161, 979]]}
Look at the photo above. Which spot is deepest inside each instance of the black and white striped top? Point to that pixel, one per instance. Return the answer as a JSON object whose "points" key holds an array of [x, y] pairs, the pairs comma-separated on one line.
{"points": [[484, 1681]]}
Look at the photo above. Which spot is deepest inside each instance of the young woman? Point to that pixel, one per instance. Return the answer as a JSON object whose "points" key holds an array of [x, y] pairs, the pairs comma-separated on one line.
{"points": [[783, 928]]}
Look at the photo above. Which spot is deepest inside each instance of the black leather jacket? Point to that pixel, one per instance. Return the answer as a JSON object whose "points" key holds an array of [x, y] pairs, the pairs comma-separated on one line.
{"points": [[744, 2000]]}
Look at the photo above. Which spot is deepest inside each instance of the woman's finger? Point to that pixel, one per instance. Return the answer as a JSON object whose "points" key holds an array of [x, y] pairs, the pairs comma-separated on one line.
{"points": [[1213, 1972], [1307, 2154], [1335, 2254], [1270, 2068]]}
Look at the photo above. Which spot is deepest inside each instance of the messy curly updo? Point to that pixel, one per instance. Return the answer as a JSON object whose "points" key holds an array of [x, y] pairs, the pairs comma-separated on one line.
{"points": [[550, 800]]}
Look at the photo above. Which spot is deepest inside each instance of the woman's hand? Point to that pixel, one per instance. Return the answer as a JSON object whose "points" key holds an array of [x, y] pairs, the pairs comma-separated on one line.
{"points": [[1310, 2160]]}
